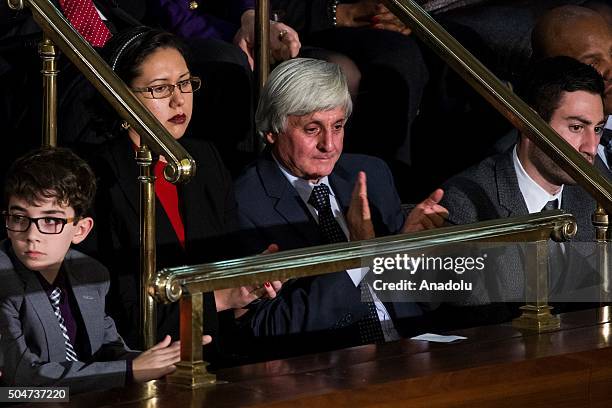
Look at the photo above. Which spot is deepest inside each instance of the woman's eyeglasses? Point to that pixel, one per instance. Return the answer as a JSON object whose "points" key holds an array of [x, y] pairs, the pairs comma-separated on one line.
{"points": [[166, 90]]}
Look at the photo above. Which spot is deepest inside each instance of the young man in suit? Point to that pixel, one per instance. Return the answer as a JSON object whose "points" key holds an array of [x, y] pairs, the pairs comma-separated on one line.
{"points": [[569, 96], [523, 180], [299, 194], [53, 327]]}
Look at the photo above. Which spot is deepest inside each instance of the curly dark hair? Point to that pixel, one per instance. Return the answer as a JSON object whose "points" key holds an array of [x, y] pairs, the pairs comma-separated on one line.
{"points": [[52, 172]]}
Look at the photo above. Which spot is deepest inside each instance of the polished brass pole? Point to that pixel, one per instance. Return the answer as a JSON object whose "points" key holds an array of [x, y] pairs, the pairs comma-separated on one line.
{"points": [[191, 370], [262, 42], [601, 222], [536, 314], [48, 54], [148, 316], [262, 54]]}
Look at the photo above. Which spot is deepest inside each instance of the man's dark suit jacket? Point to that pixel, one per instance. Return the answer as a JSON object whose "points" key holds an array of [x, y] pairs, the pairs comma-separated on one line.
{"points": [[327, 307], [208, 210], [490, 190]]}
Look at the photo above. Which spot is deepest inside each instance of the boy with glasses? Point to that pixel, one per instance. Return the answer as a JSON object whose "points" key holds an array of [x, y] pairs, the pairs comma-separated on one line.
{"points": [[53, 327]]}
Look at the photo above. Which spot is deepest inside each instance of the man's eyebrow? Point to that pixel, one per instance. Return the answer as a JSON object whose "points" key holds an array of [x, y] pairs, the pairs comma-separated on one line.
{"points": [[16, 208], [579, 119]]}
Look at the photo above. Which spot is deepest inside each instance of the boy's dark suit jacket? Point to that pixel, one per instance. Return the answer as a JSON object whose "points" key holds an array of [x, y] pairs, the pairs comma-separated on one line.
{"points": [[32, 350]]}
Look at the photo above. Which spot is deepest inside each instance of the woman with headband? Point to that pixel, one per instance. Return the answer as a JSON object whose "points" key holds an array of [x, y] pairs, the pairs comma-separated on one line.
{"points": [[191, 219]]}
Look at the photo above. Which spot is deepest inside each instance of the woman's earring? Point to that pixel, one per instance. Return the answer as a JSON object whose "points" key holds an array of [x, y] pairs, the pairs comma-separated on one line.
{"points": [[125, 125]]}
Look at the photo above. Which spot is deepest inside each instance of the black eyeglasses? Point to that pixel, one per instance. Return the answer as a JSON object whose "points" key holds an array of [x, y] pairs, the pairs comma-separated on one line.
{"points": [[49, 225], [166, 90]]}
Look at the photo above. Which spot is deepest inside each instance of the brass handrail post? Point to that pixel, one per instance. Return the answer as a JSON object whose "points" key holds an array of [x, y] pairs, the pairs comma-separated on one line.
{"points": [[262, 42], [49, 54], [601, 222], [191, 370], [262, 54], [536, 312], [148, 315]]}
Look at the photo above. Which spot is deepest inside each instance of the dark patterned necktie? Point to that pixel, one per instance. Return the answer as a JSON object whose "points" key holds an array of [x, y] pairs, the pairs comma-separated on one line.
{"points": [[606, 142], [551, 205], [369, 327], [55, 298], [84, 17]]}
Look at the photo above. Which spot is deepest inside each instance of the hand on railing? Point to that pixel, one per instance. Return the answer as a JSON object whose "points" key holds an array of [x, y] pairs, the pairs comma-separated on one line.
{"points": [[159, 360], [428, 214], [284, 40], [237, 298], [369, 13]]}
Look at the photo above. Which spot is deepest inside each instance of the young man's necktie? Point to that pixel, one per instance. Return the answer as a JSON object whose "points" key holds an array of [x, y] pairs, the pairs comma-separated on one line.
{"points": [[551, 205], [55, 298], [606, 142]]}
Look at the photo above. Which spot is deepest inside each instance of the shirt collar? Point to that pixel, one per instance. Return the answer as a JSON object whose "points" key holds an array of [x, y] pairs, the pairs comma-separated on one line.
{"points": [[535, 196], [60, 281], [303, 187]]}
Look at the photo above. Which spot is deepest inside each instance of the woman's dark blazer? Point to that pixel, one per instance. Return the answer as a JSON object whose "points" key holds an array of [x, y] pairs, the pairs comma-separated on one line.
{"points": [[209, 213]]}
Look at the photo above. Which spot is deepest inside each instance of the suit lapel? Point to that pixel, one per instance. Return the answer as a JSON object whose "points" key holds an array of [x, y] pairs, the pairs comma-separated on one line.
{"points": [[579, 203], [509, 194], [41, 305], [289, 205], [341, 184], [86, 297]]}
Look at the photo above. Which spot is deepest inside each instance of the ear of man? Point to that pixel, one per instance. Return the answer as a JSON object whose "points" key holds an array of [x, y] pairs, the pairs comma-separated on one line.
{"points": [[271, 137]]}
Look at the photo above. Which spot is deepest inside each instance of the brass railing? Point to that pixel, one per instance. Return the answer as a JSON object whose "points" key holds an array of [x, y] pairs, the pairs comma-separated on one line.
{"points": [[181, 167], [186, 284]]}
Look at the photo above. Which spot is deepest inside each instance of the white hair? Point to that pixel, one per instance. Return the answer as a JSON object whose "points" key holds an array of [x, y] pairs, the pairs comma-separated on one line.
{"points": [[299, 87]]}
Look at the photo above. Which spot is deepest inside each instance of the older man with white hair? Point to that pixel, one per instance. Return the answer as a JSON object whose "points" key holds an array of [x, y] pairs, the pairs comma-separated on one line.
{"points": [[299, 194]]}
